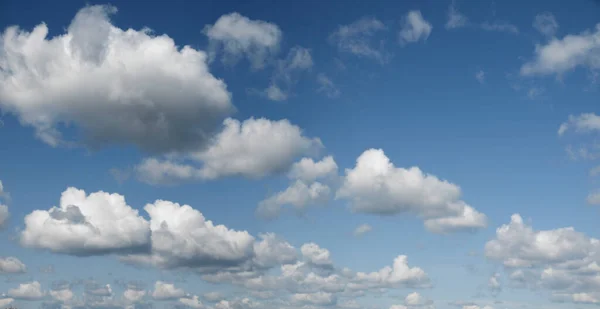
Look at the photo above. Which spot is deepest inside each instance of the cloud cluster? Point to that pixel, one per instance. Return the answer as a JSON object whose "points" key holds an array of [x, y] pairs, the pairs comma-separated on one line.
{"points": [[117, 86], [562, 261], [376, 186]]}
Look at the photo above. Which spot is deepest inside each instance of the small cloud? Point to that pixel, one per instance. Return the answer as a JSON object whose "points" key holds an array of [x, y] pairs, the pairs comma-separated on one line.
{"points": [[362, 229], [327, 87], [546, 24], [455, 18], [415, 28], [480, 76]]}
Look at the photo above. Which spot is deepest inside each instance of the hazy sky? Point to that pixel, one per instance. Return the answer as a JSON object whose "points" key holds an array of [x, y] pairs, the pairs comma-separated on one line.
{"points": [[300, 154]]}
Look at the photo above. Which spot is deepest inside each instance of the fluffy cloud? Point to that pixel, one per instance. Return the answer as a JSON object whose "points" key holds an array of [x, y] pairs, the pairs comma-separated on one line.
{"points": [[455, 18], [559, 56], [117, 86], [583, 123], [299, 195], [304, 191], [238, 36], [356, 38], [11, 265], [308, 170], [414, 28], [316, 255], [182, 237], [400, 274], [546, 24], [27, 291], [166, 291], [362, 229], [376, 186], [99, 223], [254, 148], [562, 261], [132, 295], [175, 236]]}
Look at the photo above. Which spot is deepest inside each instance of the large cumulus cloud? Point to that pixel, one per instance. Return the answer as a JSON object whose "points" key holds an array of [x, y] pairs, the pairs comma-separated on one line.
{"points": [[116, 86]]}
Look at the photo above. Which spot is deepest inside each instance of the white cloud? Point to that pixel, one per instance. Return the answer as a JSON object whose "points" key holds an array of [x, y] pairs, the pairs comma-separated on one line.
{"points": [[182, 237], [376, 186], [244, 303], [480, 76], [133, 295], [4, 214], [27, 291], [455, 18], [305, 191], [414, 28], [62, 295], [116, 86], [238, 36], [299, 195], [500, 26], [517, 244], [275, 93], [166, 291], [318, 298], [415, 299], [272, 251], [562, 261], [356, 38], [98, 223], [327, 86], [316, 255], [11, 265], [400, 274], [308, 170], [559, 56], [362, 229], [254, 148], [546, 24], [583, 123], [593, 198], [192, 302]]}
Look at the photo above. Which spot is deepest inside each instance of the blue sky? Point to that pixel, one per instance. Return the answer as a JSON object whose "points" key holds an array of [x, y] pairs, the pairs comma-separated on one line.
{"points": [[340, 154]]}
